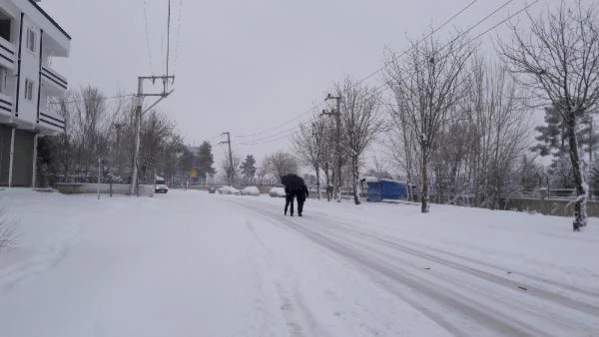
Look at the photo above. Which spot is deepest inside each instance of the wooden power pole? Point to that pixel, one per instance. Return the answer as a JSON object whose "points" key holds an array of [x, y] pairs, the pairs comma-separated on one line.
{"points": [[337, 114], [228, 141]]}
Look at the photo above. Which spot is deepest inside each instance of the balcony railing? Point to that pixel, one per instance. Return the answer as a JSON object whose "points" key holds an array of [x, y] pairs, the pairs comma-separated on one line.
{"points": [[48, 119], [6, 104], [54, 77], [7, 51]]}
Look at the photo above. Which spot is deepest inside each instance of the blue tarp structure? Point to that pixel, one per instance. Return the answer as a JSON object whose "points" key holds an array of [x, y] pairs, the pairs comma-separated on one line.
{"points": [[386, 189]]}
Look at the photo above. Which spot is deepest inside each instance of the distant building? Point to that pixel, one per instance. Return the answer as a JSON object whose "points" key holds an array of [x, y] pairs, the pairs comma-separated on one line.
{"points": [[29, 40]]}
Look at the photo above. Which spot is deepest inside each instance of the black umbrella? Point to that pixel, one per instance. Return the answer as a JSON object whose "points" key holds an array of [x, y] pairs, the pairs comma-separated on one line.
{"points": [[292, 181]]}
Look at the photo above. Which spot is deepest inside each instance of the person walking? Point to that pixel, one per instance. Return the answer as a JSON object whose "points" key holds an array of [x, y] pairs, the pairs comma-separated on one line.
{"points": [[293, 184], [289, 201], [302, 194]]}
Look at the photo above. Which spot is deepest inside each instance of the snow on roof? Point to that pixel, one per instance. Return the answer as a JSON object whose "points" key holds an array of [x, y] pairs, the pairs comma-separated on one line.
{"points": [[377, 180]]}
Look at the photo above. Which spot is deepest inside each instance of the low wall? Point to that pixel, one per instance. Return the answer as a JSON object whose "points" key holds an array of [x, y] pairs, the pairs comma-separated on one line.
{"points": [[550, 207], [79, 188]]}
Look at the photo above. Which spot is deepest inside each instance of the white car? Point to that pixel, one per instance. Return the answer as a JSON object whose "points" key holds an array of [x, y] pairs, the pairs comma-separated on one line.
{"points": [[161, 186], [228, 190], [251, 190], [277, 192]]}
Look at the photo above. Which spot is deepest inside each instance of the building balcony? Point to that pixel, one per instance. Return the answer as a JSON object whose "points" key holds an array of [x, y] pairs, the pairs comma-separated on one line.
{"points": [[7, 54], [6, 105], [53, 83], [50, 121]]}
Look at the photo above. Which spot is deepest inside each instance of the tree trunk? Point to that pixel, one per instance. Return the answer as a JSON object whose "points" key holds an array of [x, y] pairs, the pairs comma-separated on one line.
{"points": [[355, 170], [424, 193], [334, 180], [580, 212], [317, 169], [328, 181]]}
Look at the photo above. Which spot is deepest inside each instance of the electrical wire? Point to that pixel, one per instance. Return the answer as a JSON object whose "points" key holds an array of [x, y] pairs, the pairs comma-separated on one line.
{"points": [[178, 34], [168, 37], [370, 75], [92, 100], [419, 41], [148, 37]]}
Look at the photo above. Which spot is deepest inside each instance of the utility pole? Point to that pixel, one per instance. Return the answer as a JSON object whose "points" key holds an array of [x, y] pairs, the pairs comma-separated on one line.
{"points": [[317, 130], [337, 114], [118, 154], [228, 141], [139, 112]]}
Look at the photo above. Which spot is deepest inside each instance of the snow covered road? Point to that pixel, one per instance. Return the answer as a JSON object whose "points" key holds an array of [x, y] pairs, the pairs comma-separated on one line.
{"points": [[191, 263]]}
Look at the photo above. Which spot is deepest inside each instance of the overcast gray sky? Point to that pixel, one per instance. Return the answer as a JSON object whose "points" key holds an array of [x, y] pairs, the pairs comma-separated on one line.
{"points": [[247, 66]]}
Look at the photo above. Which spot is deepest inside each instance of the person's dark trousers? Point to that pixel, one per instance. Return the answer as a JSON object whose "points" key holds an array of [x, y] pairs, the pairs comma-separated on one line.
{"points": [[301, 198], [289, 202]]}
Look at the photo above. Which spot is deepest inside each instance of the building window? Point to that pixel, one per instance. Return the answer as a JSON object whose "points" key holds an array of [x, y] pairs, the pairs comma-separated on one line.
{"points": [[31, 39], [29, 89], [3, 80]]}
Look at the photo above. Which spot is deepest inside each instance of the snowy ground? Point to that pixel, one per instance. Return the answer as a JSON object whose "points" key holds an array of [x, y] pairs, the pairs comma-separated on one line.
{"points": [[194, 264]]}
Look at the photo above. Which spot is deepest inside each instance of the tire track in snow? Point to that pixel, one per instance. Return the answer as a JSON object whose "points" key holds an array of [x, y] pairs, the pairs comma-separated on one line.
{"points": [[421, 248], [376, 267], [499, 280], [295, 313], [375, 270], [518, 302]]}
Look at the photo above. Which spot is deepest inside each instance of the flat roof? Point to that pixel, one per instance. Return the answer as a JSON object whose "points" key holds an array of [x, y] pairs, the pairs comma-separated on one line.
{"points": [[34, 3]]}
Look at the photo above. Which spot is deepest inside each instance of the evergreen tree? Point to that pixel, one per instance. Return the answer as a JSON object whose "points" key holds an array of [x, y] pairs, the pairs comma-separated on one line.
{"points": [[553, 138], [205, 160], [248, 168]]}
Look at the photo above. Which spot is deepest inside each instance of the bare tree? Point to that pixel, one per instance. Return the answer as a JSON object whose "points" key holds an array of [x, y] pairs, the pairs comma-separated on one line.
{"points": [[308, 143], [279, 164], [326, 141], [231, 172], [403, 149], [558, 60], [362, 121], [426, 86]]}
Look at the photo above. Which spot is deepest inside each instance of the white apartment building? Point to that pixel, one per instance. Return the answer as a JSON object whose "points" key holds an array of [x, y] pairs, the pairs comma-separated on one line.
{"points": [[29, 40]]}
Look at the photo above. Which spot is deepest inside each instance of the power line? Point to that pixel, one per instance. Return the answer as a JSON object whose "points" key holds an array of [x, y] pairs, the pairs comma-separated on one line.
{"points": [[148, 37], [367, 77], [290, 130], [168, 36], [479, 35], [91, 99], [178, 33], [267, 141], [377, 89], [419, 41], [282, 124]]}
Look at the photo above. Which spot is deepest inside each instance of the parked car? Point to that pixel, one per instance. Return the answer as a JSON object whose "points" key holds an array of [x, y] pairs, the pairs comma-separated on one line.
{"points": [[277, 192], [228, 190], [161, 186], [251, 190]]}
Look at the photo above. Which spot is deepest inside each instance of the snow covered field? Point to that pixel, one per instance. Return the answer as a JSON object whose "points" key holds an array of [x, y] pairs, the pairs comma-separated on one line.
{"points": [[194, 264]]}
